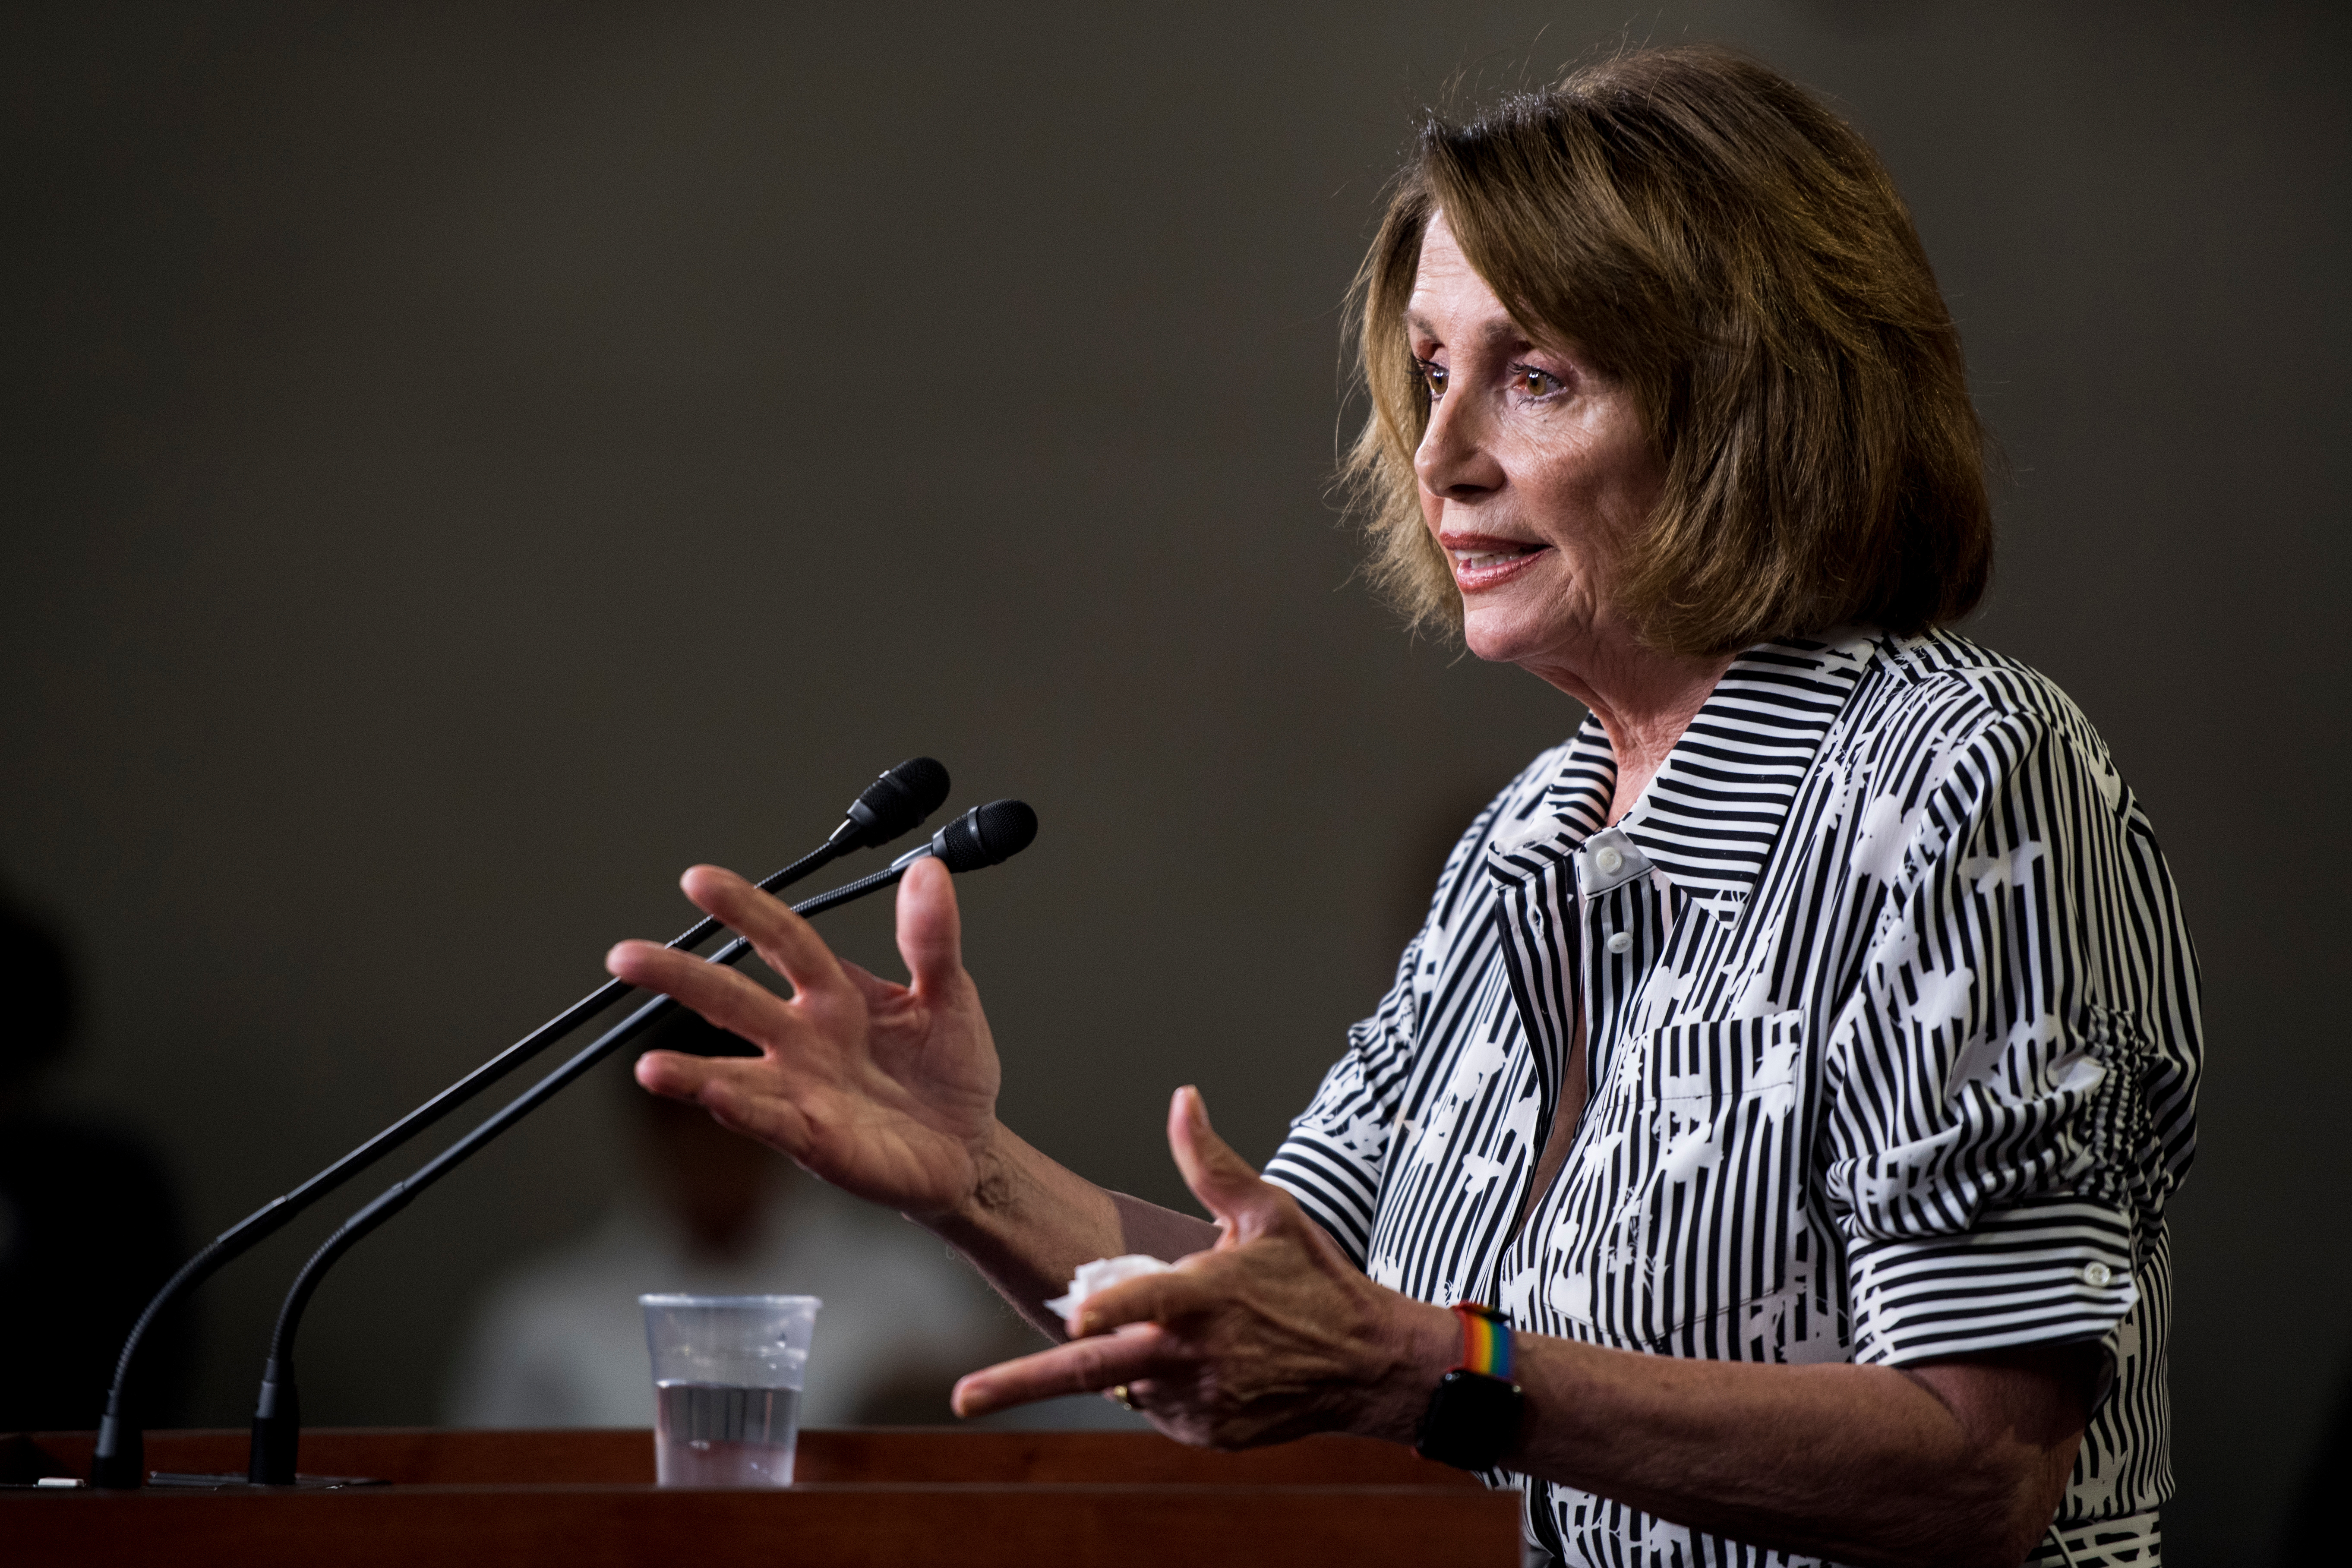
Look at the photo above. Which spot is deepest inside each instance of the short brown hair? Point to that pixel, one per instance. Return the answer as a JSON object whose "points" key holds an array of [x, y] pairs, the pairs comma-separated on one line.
{"points": [[1703, 229]]}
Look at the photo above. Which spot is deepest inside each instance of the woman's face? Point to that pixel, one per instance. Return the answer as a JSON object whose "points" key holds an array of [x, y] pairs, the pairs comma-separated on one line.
{"points": [[1534, 472]]}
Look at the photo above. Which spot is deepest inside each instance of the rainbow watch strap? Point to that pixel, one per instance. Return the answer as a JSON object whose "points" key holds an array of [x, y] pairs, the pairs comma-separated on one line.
{"points": [[1486, 1339]]}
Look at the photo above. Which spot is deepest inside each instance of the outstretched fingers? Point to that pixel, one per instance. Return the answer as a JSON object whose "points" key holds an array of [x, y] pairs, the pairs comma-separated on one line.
{"points": [[732, 1001], [676, 1074], [1082, 1366], [789, 944], [1158, 1299], [738, 1091]]}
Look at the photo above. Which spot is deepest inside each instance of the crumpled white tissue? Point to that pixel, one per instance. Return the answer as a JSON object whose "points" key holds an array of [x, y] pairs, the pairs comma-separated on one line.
{"points": [[1101, 1275]]}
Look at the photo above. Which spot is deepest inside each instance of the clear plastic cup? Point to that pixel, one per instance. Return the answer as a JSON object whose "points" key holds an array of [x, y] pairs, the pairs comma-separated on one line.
{"points": [[727, 1387]]}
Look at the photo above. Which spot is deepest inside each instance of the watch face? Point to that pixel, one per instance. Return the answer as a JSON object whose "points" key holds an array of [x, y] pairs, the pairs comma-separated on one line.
{"points": [[1471, 1419]]}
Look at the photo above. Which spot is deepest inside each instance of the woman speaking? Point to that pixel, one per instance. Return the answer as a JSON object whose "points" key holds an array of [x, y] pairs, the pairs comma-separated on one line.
{"points": [[1762, 1153]]}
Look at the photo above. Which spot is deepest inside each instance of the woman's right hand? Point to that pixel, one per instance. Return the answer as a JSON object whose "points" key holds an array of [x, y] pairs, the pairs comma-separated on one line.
{"points": [[887, 1091]]}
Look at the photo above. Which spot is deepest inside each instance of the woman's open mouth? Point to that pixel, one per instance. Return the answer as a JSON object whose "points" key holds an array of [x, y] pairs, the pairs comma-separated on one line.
{"points": [[1485, 562]]}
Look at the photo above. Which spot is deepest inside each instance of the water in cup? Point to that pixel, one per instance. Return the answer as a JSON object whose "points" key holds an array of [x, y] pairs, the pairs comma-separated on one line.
{"points": [[728, 1371], [716, 1434]]}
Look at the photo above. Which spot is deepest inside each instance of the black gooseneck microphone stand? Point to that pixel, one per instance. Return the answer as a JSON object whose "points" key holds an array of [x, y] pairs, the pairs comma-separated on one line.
{"points": [[985, 836], [888, 807]]}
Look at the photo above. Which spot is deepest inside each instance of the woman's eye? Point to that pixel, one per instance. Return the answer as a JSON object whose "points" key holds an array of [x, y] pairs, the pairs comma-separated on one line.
{"points": [[1533, 382], [1432, 376]]}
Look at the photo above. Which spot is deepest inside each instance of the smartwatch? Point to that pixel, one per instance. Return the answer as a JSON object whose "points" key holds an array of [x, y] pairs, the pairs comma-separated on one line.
{"points": [[1475, 1413]]}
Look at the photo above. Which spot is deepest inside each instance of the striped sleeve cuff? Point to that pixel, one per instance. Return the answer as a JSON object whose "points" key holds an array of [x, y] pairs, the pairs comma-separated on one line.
{"points": [[1334, 1189], [2133, 1538], [2054, 1270]]}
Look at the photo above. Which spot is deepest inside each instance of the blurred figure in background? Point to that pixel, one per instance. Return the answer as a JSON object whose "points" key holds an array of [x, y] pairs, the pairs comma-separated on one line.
{"points": [[560, 1341], [88, 1225]]}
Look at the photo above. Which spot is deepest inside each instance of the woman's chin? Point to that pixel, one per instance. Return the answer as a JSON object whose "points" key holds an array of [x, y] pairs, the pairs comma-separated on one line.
{"points": [[1541, 627], [1498, 636]]}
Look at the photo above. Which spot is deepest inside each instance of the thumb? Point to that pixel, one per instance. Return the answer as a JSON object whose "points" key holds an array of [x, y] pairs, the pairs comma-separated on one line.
{"points": [[1224, 1182], [931, 931]]}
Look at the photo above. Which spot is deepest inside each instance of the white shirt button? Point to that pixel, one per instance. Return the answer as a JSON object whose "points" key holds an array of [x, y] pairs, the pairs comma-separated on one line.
{"points": [[2096, 1274], [1609, 859], [1621, 943]]}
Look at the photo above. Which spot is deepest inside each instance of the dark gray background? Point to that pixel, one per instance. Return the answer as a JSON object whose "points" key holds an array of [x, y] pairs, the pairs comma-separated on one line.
{"points": [[466, 464]]}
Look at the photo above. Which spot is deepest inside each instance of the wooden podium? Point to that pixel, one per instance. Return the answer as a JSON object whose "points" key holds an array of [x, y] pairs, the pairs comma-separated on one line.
{"points": [[883, 1496]]}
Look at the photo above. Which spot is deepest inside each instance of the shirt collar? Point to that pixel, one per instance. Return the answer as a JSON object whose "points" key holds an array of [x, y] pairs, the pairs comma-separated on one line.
{"points": [[1710, 818]]}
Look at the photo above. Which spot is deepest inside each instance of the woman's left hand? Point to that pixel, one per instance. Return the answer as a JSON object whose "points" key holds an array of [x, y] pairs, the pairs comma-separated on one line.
{"points": [[1271, 1335]]}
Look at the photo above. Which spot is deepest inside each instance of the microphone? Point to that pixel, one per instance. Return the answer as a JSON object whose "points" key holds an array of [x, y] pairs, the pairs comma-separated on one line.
{"points": [[891, 805], [885, 809], [986, 836]]}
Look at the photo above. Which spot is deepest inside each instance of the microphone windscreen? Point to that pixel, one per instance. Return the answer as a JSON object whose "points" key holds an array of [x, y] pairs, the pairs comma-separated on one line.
{"points": [[925, 782], [988, 834], [899, 799]]}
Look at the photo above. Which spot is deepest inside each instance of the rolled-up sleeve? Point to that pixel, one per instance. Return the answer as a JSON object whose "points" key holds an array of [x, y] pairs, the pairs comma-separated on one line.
{"points": [[1995, 1087], [1332, 1160]]}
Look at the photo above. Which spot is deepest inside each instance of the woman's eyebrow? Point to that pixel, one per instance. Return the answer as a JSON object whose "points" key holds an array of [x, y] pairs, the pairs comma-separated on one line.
{"points": [[1505, 333]]}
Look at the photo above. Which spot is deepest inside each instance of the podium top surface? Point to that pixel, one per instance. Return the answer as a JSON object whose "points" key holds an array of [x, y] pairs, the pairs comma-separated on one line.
{"points": [[883, 1495]]}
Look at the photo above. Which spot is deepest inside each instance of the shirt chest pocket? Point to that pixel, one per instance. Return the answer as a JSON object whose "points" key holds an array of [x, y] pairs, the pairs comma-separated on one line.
{"points": [[1683, 1198]]}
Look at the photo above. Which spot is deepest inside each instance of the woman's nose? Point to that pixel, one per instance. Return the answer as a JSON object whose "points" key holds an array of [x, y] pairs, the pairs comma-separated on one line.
{"points": [[1454, 459]]}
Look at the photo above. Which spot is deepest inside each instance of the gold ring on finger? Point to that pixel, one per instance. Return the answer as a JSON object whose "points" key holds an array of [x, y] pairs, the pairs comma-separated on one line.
{"points": [[1117, 1394]]}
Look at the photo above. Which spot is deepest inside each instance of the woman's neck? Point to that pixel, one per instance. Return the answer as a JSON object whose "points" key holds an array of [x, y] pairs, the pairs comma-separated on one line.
{"points": [[1645, 700]]}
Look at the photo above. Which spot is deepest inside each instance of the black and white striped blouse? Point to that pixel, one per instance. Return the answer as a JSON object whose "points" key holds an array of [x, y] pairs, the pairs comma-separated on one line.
{"points": [[1894, 1050]]}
